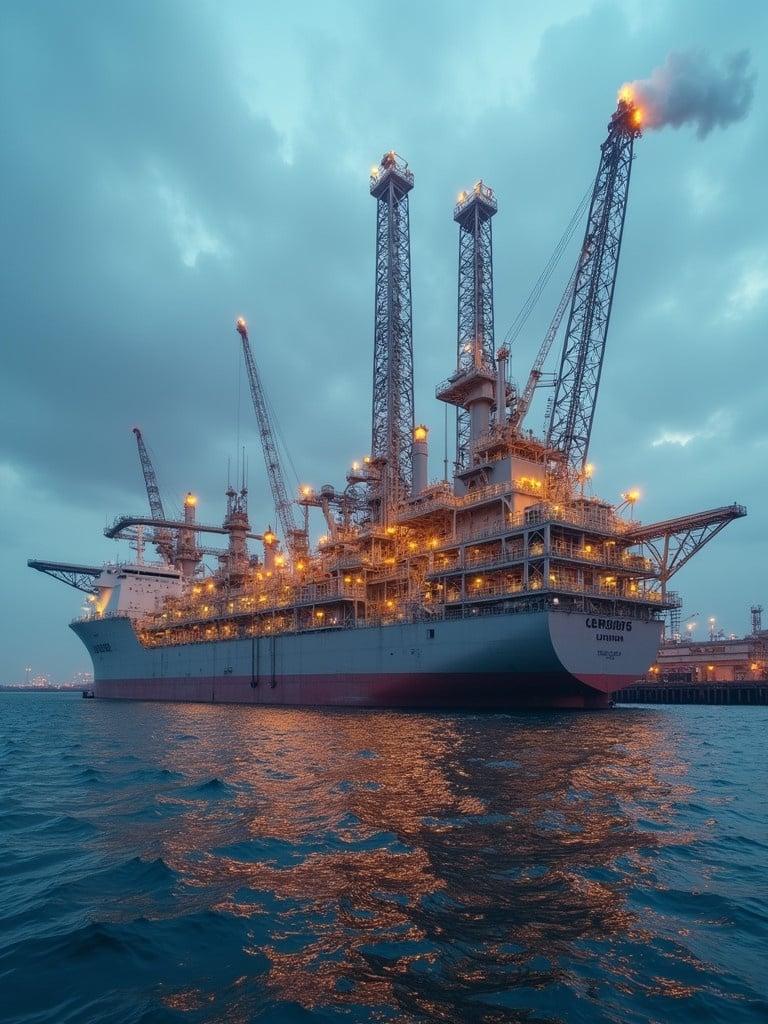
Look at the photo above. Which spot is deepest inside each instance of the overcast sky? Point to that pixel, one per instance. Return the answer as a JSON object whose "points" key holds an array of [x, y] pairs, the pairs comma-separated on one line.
{"points": [[167, 166]]}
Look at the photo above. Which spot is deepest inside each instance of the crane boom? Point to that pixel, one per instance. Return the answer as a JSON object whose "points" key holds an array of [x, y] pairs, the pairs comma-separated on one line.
{"points": [[524, 402], [292, 535], [578, 380], [150, 478], [162, 538]]}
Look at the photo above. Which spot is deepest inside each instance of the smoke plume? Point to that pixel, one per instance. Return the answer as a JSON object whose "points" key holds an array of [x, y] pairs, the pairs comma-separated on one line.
{"points": [[690, 89]]}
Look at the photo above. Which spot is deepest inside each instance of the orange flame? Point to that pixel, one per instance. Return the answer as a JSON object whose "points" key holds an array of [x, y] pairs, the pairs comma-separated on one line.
{"points": [[628, 96]]}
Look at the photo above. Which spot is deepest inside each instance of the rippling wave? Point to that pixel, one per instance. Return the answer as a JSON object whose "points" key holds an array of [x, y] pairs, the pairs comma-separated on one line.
{"points": [[208, 863]]}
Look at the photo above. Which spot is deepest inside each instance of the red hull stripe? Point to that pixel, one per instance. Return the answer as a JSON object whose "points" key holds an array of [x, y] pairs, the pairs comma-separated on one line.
{"points": [[421, 690], [606, 683]]}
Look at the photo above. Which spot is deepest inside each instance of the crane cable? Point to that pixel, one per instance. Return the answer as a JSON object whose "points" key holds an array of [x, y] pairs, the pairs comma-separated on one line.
{"points": [[272, 415], [535, 293], [280, 436]]}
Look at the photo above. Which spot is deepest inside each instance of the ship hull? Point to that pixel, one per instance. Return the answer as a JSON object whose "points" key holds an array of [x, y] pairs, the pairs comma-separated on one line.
{"points": [[516, 660]]}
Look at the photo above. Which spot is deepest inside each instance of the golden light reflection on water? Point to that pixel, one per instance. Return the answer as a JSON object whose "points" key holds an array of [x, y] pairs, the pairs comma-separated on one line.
{"points": [[420, 862]]}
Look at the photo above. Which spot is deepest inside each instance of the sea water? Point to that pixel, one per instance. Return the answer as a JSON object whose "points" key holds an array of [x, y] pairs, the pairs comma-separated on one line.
{"points": [[184, 862]]}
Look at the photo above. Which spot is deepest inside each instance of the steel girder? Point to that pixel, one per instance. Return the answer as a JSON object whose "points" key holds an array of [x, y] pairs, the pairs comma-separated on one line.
{"points": [[673, 542], [81, 577]]}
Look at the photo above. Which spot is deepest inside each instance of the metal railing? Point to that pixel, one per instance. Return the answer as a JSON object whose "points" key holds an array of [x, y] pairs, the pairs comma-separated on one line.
{"points": [[501, 588], [520, 602], [478, 191], [625, 560], [516, 553]]}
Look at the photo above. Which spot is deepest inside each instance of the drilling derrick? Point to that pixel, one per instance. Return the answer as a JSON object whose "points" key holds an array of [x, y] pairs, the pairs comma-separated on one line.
{"points": [[162, 538], [573, 408], [393, 419], [475, 350], [294, 536]]}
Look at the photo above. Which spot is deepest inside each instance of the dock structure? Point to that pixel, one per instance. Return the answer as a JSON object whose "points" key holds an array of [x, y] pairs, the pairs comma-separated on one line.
{"points": [[716, 659], [753, 691]]}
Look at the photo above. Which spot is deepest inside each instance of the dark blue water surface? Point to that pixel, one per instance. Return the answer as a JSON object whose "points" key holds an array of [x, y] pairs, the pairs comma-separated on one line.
{"points": [[203, 863]]}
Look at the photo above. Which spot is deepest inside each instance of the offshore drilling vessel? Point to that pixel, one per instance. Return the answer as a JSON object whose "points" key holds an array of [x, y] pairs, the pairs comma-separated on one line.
{"points": [[509, 585]]}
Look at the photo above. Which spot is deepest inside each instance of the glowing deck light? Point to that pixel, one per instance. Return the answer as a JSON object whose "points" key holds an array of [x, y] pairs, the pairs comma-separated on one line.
{"points": [[190, 500], [420, 433]]}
